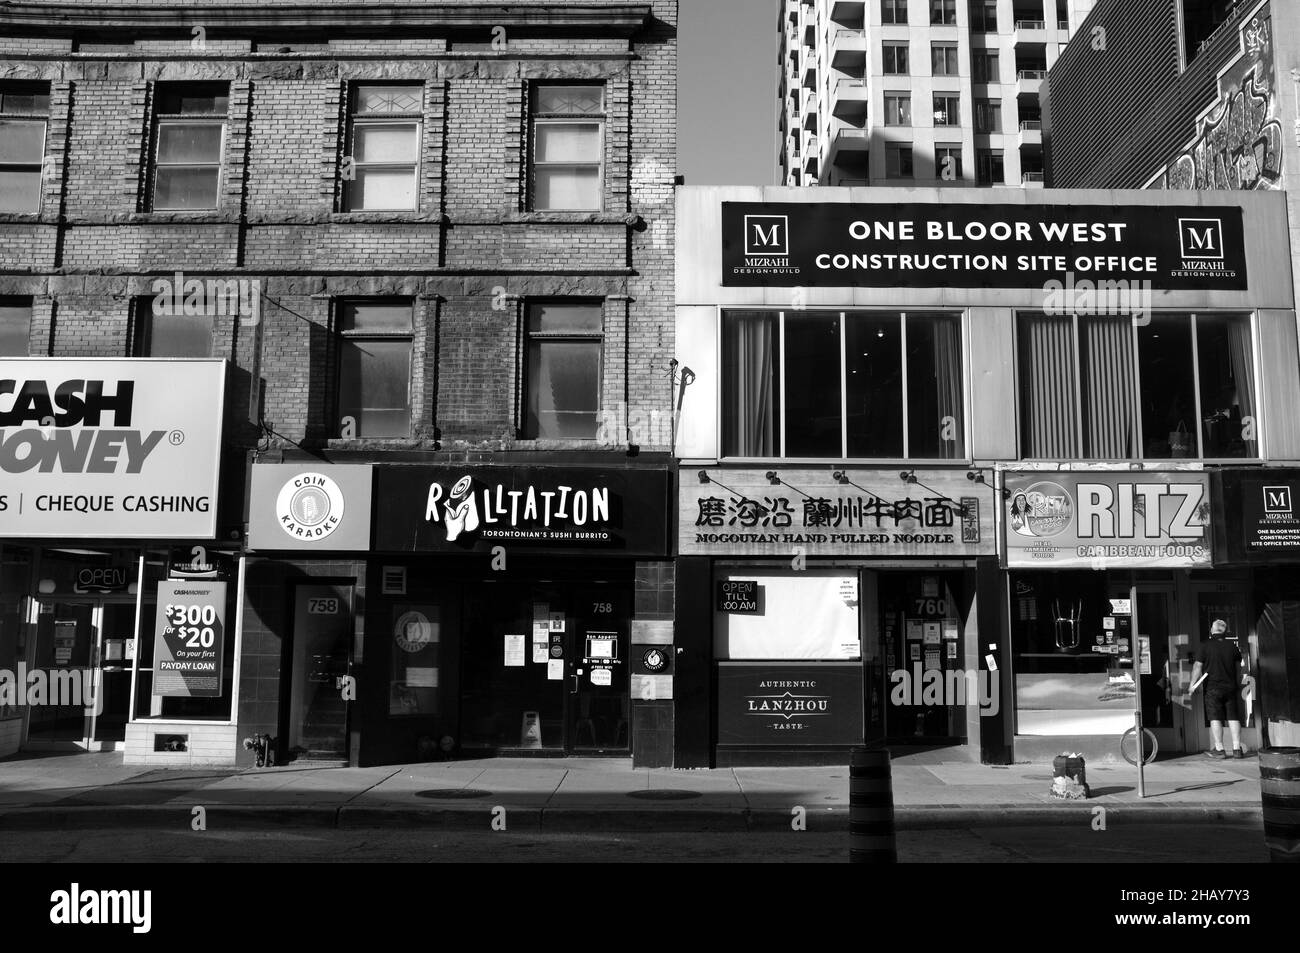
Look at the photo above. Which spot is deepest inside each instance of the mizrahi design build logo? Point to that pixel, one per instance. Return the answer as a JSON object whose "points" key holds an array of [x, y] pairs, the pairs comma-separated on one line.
{"points": [[767, 246], [1201, 249], [309, 506]]}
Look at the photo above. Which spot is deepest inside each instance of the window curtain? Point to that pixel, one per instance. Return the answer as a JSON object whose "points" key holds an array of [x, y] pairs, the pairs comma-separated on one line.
{"points": [[947, 366], [1106, 366], [1047, 402], [750, 399], [1241, 357]]}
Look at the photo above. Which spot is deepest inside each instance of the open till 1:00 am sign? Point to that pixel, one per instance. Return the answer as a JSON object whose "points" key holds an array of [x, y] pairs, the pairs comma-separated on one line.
{"points": [[189, 639], [825, 244]]}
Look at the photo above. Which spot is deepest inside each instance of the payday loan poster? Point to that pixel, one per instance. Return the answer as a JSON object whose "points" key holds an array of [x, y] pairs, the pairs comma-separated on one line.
{"points": [[189, 639]]}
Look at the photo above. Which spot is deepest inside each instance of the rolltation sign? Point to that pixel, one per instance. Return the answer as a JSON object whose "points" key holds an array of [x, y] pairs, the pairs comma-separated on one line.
{"points": [[109, 448], [863, 512], [189, 639], [1096, 519], [981, 246], [460, 509]]}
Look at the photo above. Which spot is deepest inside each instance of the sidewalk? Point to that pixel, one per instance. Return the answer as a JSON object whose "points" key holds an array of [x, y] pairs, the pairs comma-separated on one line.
{"points": [[592, 794]]}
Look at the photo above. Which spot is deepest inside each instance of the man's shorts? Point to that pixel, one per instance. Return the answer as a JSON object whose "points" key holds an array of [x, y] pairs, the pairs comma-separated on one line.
{"points": [[1221, 703]]}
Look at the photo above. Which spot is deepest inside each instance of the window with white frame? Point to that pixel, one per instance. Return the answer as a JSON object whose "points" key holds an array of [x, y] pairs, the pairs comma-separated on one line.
{"points": [[947, 162], [947, 110], [374, 367], [895, 58], [893, 11], [943, 59], [1104, 388], [898, 109], [943, 11], [566, 169], [24, 114], [985, 66], [562, 378], [842, 385], [988, 115], [381, 171], [898, 161], [189, 138]]}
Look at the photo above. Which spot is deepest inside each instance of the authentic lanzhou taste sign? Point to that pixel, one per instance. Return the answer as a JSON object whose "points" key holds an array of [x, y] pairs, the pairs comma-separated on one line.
{"points": [[822, 244], [742, 512]]}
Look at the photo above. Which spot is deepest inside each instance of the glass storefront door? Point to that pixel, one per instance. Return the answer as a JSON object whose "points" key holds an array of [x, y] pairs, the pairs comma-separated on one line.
{"points": [[83, 648], [321, 694]]}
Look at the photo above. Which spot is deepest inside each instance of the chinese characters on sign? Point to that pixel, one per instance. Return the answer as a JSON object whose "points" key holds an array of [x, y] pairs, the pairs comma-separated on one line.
{"points": [[742, 511]]}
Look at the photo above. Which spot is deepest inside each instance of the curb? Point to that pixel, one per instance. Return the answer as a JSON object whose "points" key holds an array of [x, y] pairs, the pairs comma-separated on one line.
{"points": [[602, 820]]}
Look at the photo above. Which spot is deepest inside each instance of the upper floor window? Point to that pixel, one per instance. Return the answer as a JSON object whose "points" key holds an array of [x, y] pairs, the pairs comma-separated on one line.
{"points": [[988, 115], [984, 16], [898, 161], [947, 110], [374, 367], [565, 165], [943, 59], [943, 11], [990, 167], [833, 385], [24, 112], [898, 109], [896, 59], [947, 163], [562, 376], [985, 66], [893, 11], [1103, 388], [169, 332], [15, 326], [189, 135], [382, 165]]}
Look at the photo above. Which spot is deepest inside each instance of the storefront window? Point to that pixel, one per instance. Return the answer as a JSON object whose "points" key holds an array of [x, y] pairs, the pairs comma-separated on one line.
{"points": [[1107, 388], [15, 575], [798, 615], [1069, 680], [835, 385]]}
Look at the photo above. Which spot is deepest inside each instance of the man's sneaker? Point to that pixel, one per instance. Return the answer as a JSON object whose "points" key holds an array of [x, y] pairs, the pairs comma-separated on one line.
{"points": [[1217, 753]]}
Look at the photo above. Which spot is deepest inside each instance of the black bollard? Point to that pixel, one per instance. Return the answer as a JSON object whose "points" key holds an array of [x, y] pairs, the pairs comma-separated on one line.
{"points": [[1279, 781], [871, 808]]}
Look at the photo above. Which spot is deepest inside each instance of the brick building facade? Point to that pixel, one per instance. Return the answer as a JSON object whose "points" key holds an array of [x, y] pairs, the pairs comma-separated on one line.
{"points": [[483, 193]]}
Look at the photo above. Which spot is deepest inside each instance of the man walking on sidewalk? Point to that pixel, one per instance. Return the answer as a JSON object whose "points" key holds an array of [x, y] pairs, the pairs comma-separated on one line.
{"points": [[1220, 664]]}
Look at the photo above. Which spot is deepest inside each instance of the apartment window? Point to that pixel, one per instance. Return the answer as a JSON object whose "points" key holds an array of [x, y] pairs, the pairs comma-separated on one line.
{"points": [[947, 110], [565, 172], [562, 377], [1103, 388], [15, 326], [898, 109], [190, 125], [984, 16], [898, 161], [896, 59], [374, 367], [24, 112], [989, 167], [842, 385], [988, 115], [159, 332], [943, 11], [382, 166], [893, 11], [947, 162], [984, 67], [943, 59]]}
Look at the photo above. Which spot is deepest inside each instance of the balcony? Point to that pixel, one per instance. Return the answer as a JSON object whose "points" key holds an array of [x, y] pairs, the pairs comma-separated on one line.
{"points": [[851, 98], [1031, 132], [1029, 81], [1063, 26], [809, 76], [1032, 179], [849, 49], [848, 11], [852, 140]]}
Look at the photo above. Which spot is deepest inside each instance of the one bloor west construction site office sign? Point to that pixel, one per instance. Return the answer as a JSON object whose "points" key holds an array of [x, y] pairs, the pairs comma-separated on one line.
{"points": [[108, 448], [981, 246]]}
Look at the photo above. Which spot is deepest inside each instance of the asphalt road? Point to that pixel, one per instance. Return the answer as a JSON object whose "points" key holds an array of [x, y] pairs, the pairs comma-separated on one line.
{"points": [[1124, 843]]}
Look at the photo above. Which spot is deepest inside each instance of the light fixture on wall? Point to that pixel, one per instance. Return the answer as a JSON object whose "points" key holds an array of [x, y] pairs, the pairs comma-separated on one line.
{"points": [[977, 476], [46, 586]]}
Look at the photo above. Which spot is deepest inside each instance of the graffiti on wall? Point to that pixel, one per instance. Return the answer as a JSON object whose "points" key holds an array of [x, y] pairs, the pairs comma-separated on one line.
{"points": [[1239, 137]]}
